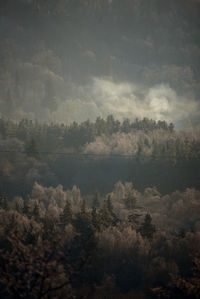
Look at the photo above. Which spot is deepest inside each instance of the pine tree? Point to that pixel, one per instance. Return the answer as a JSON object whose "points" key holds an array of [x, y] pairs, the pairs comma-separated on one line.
{"points": [[111, 210], [96, 219], [147, 229], [49, 227], [107, 214], [66, 216], [133, 219], [131, 205], [83, 219], [3, 201], [83, 207], [109, 204]]}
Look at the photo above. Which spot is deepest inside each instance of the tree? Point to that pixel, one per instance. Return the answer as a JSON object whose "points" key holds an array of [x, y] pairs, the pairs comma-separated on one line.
{"points": [[83, 219], [147, 229], [66, 216], [32, 150], [36, 211], [83, 207], [131, 205], [12, 223], [133, 219], [171, 127], [3, 201], [111, 210], [96, 221], [126, 126], [130, 201], [49, 227], [34, 269], [107, 214], [26, 208], [181, 287]]}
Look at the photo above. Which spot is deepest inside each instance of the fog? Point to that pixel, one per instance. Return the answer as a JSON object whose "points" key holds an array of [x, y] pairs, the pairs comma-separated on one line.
{"points": [[104, 96], [100, 149], [67, 62]]}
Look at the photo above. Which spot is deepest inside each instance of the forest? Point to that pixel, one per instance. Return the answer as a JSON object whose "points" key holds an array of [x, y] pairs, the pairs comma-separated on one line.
{"points": [[134, 237], [95, 155], [99, 149]]}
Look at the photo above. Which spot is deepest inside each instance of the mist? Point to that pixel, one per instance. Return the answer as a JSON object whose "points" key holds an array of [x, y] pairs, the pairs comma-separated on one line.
{"points": [[63, 63], [100, 149], [103, 97]]}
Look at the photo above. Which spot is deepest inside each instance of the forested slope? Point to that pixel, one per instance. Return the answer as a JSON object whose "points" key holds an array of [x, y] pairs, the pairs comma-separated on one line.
{"points": [[96, 155]]}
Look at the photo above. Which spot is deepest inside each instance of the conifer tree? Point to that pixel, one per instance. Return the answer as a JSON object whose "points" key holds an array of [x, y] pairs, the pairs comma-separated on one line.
{"points": [[83, 219], [111, 210], [66, 216], [3, 201], [96, 219], [147, 229], [49, 227], [83, 207], [107, 214], [133, 219], [131, 205]]}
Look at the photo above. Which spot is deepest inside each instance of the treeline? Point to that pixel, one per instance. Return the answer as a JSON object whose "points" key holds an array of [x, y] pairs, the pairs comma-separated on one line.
{"points": [[96, 155], [53, 136], [140, 138], [156, 145], [56, 243]]}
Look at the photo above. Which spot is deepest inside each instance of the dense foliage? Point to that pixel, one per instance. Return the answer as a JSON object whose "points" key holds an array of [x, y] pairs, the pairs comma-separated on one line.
{"points": [[55, 136], [127, 244]]}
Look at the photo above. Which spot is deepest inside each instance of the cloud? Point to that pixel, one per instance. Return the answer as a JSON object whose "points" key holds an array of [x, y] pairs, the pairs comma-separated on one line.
{"points": [[164, 103], [123, 100]]}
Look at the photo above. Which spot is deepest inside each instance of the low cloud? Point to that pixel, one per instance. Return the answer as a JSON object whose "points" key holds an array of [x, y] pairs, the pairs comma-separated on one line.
{"points": [[123, 100]]}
